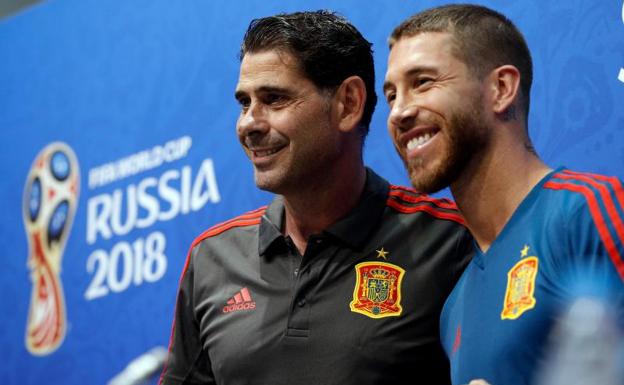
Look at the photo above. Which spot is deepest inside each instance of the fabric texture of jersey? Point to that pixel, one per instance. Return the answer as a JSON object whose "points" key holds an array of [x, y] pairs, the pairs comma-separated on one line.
{"points": [[361, 306], [565, 241]]}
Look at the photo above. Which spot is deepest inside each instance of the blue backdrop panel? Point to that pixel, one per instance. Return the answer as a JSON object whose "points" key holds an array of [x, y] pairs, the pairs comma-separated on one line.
{"points": [[117, 148]]}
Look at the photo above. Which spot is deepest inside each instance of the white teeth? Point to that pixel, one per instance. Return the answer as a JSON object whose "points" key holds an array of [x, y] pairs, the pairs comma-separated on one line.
{"points": [[418, 141], [266, 152]]}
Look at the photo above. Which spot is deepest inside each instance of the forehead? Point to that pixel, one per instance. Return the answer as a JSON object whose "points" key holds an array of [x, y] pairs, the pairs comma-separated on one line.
{"points": [[269, 68], [427, 50]]}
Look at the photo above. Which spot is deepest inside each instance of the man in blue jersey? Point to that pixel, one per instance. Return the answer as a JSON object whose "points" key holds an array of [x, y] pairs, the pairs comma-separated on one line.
{"points": [[458, 85]]}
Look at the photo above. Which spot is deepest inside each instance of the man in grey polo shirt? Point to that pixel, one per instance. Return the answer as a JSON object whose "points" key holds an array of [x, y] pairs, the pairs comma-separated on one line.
{"points": [[340, 280]]}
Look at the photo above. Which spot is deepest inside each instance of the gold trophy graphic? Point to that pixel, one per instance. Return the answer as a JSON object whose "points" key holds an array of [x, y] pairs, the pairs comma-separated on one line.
{"points": [[50, 200]]}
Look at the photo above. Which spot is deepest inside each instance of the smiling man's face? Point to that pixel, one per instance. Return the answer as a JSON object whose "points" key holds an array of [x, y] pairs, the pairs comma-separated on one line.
{"points": [[285, 122], [436, 113]]}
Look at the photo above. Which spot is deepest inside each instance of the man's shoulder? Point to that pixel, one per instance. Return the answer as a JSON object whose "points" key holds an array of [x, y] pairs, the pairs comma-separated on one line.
{"points": [[406, 200], [573, 191], [589, 208], [233, 225], [581, 204]]}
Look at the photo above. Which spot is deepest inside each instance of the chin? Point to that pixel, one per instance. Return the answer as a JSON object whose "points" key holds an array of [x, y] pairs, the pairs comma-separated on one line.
{"points": [[266, 185], [429, 181], [268, 181], [426, 186]]}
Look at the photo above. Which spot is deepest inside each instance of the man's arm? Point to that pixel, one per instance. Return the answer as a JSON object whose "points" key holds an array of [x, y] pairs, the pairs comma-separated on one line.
{"points": [[188, 363]]}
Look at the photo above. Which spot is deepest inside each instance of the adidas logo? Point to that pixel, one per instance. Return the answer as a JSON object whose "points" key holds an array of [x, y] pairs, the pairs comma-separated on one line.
{"points": [[240, 301]]}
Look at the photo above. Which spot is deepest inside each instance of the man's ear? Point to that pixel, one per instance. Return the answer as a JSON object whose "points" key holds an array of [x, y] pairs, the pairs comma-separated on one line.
{"points": [[350, 99], [505, 89]]}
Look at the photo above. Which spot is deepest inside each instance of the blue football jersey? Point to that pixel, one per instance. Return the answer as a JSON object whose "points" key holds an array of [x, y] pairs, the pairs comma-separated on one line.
{"points": [[564, 241]]}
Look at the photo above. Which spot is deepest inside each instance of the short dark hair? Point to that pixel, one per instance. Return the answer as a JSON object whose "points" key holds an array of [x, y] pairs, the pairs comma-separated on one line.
{"points": [[484, 39], [328, 48]]}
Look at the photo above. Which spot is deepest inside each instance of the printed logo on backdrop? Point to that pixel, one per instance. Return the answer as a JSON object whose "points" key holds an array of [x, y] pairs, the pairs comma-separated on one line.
{"points": [[134, 261], [49, 205]]}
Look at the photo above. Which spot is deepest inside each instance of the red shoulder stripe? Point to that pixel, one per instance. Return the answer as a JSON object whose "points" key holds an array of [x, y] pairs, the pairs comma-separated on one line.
{"points": [[613, 181], [455, 217], [247, 215], [442, 203], [599, 221], [605, 194], [398, 187], [230, 225], [247, 219]]}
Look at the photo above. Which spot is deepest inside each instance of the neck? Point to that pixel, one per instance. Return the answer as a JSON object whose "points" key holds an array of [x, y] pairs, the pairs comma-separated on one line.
{"points": [[494, 185], [313, 208]]}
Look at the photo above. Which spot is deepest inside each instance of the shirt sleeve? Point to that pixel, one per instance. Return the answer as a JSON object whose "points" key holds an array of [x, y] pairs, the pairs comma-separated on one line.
{"points": [[596, 249], [188, 363]]}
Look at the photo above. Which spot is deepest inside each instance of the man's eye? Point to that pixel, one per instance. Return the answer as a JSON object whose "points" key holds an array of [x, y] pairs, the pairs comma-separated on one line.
{"points": [[390, 96], [274, 98], [244, 104], [420, 82]]}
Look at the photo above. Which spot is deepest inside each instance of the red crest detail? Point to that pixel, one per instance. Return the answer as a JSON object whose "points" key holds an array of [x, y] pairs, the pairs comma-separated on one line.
{"points": [[377, 292]]}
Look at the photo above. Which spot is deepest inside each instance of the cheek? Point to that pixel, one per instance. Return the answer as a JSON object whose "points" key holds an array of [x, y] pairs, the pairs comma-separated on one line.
{"points": [[241, 140], [303, 124], [391, 129], [238, 128], [442, 102], [394, 139]]}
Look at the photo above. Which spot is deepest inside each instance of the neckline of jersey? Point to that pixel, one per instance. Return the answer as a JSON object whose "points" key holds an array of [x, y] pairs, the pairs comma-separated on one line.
{"points": [[480, 256]]}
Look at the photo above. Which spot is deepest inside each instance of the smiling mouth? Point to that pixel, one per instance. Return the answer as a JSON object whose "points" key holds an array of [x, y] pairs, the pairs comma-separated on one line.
{"points": [[420, 140], [263, 153]]}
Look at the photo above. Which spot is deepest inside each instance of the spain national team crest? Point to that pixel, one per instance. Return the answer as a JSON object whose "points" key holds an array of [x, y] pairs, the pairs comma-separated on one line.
{"points": [[519, 296], [377, 291]]}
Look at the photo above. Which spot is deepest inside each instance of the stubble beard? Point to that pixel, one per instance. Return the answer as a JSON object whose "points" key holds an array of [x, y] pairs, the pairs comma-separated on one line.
{"points": [[467, 134], [305, 167]]}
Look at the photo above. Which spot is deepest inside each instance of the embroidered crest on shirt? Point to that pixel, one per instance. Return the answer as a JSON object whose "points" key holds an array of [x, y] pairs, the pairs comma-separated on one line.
{"points": [[377, 292], [519, 296]]}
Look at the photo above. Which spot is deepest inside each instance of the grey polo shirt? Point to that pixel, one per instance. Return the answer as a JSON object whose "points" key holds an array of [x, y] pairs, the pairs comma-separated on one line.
{"points": [[360, 306]]}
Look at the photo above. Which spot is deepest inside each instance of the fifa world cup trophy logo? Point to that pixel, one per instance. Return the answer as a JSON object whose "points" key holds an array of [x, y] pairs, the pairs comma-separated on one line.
{"points": [[50, 199]]}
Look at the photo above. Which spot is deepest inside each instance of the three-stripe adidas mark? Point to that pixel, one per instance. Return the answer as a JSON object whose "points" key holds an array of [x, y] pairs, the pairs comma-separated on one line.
{"points": [[240, 301]]}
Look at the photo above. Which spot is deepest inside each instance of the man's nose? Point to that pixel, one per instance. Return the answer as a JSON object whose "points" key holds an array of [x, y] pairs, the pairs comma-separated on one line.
{"points": [[403, 114], [252, 121]]}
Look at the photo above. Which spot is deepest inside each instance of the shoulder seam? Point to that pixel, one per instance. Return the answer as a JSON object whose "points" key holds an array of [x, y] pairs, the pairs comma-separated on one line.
{"points": [[608, 198], [585, 189], [407, 195], [454, 216], [248, 219]]}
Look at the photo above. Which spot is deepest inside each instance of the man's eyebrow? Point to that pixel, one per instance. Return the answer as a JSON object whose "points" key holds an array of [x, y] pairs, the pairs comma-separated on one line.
{"points": [[386, 86], [273, 89], [238, 95], [263, 90], [411, 73]]}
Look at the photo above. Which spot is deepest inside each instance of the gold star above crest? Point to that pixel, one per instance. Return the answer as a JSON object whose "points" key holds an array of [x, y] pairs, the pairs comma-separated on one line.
{"points": [[382, 253], [525, 251]]}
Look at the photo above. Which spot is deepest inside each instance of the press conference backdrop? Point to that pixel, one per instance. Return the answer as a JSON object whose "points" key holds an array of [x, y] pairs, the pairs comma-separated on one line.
{"points": [[118, 147]]}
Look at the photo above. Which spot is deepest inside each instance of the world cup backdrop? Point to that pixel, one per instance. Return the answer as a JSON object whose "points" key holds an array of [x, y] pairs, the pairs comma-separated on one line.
{"points": [[118, 148]]}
